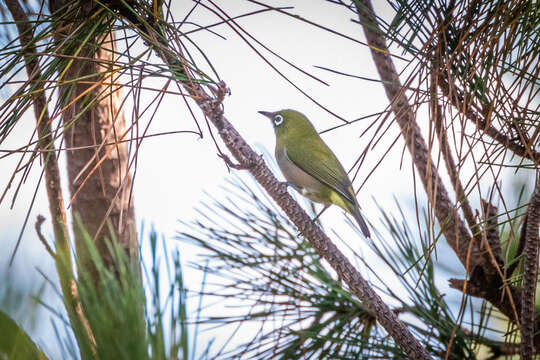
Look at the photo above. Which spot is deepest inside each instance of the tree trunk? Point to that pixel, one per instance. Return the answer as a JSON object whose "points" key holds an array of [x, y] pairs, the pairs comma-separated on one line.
{"points": [[94, 125]]}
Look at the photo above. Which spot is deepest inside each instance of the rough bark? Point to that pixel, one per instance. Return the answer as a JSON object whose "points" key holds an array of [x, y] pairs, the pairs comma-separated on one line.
{"points": [[99, 178], [530, 274]]}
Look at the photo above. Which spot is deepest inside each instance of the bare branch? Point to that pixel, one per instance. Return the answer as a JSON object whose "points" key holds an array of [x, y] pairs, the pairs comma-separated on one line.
{"points": [[39, 221]]}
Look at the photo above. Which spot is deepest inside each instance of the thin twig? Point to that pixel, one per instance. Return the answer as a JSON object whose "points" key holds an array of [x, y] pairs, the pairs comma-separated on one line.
{"points": [[39, 221], [449, 90]]}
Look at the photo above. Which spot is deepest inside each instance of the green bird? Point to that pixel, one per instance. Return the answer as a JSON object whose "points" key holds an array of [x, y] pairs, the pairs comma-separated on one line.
{"points": [[310, 166]]}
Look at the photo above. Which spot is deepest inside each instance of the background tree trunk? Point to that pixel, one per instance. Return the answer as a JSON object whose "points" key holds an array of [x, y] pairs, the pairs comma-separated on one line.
{"points": [[94, 125]]}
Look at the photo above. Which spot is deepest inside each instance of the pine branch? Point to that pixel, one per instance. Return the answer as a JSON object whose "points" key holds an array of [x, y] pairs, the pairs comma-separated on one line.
{"points": [[452, 226], [247, 158], [211, 105], [530, 271], [492, 243], [460, 103], [254, 249], [45, 140], [485, 281]]}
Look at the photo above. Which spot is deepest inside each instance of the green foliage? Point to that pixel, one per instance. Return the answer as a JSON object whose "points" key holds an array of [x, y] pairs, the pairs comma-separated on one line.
{"points": [[128, 318], [113, 306], [19, 313], [302, 309], [166, 309], [15, 344]]}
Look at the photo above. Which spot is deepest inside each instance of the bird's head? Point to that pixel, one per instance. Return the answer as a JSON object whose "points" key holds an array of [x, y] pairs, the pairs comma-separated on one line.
{"points": [[289, 122]]}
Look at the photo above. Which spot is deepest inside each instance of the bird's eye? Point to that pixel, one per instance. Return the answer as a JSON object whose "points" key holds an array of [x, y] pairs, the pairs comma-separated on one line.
{"points": [[278, 119]]}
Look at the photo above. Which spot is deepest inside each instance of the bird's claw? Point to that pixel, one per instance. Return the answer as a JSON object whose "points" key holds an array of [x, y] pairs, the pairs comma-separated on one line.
{"points": [[230, 164], [286, 184]]}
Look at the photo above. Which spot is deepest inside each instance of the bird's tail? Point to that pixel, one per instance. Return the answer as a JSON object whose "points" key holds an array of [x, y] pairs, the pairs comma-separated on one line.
{"points": [[355, 211]]}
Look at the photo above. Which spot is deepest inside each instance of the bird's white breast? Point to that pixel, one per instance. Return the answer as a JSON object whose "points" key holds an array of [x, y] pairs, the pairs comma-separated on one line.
{"points": [[309, 186]]}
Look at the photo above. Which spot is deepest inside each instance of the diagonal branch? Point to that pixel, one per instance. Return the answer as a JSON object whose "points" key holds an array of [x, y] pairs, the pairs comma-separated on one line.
{"points": [[530, 270], [211, 105], [318, 239]]}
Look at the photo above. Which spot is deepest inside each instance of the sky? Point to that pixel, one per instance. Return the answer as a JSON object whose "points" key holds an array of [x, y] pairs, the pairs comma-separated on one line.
{"points": [[176, 172]]}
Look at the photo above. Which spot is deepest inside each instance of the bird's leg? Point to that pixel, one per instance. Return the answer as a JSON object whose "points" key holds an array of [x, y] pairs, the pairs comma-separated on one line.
{"points": [[283, 186], [287, 184], [321, 212]]}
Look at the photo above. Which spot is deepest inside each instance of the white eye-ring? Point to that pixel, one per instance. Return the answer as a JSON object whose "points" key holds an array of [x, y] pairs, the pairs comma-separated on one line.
{"points": [[278, 119]]}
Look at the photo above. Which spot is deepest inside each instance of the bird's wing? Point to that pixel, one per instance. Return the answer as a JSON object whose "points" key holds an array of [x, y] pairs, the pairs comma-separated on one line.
{"points": [[314, 160]]}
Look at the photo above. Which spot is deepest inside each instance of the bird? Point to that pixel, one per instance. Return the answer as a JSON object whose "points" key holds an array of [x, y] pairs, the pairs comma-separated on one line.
{"points": [[309, 165]]}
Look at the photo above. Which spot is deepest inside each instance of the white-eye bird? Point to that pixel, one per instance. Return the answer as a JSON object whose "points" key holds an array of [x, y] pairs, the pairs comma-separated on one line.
{"points": [[310, 166]]}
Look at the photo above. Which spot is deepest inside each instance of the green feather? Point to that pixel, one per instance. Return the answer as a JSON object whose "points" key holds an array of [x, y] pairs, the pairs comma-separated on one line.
{"points": [[315, 158], [309, 164]]}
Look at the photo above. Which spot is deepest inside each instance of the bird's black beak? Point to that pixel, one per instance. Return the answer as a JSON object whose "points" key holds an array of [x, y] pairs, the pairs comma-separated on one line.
{"points": [[268, 114]]}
